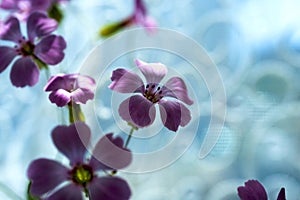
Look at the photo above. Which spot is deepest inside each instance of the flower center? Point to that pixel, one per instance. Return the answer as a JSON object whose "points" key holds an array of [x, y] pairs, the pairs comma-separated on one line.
{"points": [[26, 48], [153, 93], [82, 174]]}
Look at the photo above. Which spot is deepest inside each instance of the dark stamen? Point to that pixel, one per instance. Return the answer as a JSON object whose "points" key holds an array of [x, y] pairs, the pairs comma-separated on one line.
{"points": [[147, 86], [158, 88]]}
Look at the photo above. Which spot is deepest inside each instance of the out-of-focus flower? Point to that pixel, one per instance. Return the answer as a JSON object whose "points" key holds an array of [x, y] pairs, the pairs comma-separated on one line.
{"points": [[81, 176], [139, 17], [23, 8], [253, 190], [41, 48], [139, 109], [70, 87]]}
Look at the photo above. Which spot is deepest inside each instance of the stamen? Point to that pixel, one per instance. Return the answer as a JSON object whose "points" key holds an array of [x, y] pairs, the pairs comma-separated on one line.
{"points": [[147, 86]]}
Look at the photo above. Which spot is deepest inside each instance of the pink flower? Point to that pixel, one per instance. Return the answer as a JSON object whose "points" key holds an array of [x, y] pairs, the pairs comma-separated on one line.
{"points": [[53, 181], [70, 87], [39, 49], [139, 109], [253, 190], [138, 17]]}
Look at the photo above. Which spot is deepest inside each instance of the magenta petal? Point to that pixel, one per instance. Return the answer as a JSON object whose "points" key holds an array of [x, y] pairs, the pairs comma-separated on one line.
{"points": [[153, 72], [9, 4], [45, 175], [281, 195], [137, 110], [82, 95], [7, 54], [85, 82], [69, 192], [39, 25], [125, 81], [24, 72], [61, 81], [109, 188], [60, 97], [11, 30], [50, 49], [149, 23], [72, 141], [110, 154], [140, 7], [174, 114], [252, 190], [175, 87]]}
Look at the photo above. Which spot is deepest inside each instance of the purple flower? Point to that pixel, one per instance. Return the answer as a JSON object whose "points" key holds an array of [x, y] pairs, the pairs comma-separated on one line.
{"points": [[39, 49], [70, 87], [253, 190], [82, 175], [138, 17], [23, 8], [139, 109]]}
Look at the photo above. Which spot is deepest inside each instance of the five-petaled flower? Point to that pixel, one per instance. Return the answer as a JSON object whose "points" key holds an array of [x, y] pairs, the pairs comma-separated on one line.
{"points": [[70, 87], [53, 181], [41, 48], [139, 109], [138, 17], [253, 190]]}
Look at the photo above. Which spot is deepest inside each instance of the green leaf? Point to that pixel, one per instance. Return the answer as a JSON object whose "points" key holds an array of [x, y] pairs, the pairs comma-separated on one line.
{"points": [[56, 13]]}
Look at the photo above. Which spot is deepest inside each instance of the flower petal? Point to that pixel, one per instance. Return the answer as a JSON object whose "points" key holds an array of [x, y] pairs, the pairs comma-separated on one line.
{"points": [[24, 72], [252, 190], [58, 82], [9, 4], [50, 49], [110, 154], [85, 82], [125, 81], [109, 188], [173, 114], [140, 7], [7, 54], [11, 30], [149, 23], [69, 192], [153, 72], [45, 175], [281, 195], [85, 89], [137, 110], [39, 25], [175, 87], [72, 141], [60, 97], [82, 95]]}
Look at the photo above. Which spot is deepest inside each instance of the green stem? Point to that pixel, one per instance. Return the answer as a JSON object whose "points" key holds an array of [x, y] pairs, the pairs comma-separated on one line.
{"points": [[75, 113], [129, 136], [71, 115], [87, 194]]}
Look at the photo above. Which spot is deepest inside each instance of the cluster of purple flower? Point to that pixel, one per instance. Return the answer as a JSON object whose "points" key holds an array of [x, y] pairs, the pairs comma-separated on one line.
{"points": [[50, 179]]}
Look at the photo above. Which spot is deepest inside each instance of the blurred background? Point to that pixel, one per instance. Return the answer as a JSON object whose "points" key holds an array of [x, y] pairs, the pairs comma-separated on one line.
{"points": [[256, 48]]}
